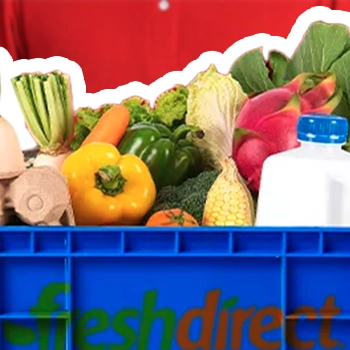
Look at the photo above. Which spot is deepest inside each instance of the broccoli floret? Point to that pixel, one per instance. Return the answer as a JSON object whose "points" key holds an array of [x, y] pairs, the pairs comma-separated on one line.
{"points": [[193, 193], [189, 196], [200, 183], [168, 194], [194, 204], [167, 198]]}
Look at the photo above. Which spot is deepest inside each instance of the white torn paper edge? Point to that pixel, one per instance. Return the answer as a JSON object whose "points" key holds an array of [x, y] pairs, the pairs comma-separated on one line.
{"points": [[10, 109]]}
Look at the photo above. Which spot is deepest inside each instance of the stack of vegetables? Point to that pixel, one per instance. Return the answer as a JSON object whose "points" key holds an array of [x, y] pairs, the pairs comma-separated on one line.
{"points": [[195, 158], [314, 80]]}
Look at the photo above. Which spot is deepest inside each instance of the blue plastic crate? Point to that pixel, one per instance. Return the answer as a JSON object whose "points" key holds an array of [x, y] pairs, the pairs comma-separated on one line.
{"points": [[140, 289]]}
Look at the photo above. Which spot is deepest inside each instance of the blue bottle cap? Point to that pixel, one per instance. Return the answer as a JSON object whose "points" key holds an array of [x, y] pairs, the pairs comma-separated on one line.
{"points": [[319, 128]]}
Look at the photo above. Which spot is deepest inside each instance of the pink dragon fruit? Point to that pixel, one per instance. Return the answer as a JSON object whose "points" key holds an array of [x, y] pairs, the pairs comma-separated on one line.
{"points": [[267, 123]]}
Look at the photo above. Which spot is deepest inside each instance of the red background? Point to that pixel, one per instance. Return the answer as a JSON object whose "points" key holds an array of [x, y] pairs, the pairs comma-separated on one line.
{"points": [[119, 41]]}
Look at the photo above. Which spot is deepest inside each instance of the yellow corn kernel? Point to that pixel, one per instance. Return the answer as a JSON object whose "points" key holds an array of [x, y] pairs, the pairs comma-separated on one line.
{"points": [[229, 202]]}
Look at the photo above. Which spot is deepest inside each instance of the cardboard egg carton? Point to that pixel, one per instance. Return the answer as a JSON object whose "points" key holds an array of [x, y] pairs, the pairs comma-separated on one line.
{"points": [[37, 196]]}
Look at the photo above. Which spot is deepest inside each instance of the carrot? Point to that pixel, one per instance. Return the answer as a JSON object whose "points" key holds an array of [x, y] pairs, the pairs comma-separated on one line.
{"points": [[111, 126]]}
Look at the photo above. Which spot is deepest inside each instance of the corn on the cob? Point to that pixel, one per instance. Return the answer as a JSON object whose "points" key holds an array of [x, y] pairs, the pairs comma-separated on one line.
{"points": [[229, 202]]}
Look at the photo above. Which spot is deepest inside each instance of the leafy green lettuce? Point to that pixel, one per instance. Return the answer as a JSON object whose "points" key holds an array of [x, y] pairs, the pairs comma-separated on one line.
{"points": [[170, 110], [324, 48], [87, 118], [171, 107]]}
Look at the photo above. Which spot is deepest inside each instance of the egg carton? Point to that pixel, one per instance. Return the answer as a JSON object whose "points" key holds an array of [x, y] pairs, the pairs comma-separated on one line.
{"points": [[35, 196]]}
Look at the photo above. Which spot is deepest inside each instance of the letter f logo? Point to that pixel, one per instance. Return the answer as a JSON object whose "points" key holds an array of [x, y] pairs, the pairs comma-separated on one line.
{"points": [[16, 334], [46, 301]]}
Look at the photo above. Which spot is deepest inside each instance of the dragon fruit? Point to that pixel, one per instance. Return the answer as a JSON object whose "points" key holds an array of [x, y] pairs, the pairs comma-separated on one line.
{"points": [[267, 123]]}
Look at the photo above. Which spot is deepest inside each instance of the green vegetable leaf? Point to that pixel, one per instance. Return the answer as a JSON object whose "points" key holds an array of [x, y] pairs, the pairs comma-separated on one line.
{"points": [[278, 64], [343, 108], [251, 72], [347, 45], [171, 107], [81, 133], [341, 70], [87, 119], [139, 110], [322, 45], [18, 335]]}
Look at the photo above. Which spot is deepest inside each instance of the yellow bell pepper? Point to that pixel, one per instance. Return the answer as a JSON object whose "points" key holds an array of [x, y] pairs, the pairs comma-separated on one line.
{"points": [[107, 188]]}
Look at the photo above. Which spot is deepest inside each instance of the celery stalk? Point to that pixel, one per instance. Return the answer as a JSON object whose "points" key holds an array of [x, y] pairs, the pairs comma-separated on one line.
{"points": [[55, 108], [40, 103], [69, 106], [61, 108], [60, 87], [46, 102], [25, 101]]}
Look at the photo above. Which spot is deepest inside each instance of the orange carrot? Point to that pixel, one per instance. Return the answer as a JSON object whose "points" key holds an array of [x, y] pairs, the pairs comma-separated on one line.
{"points": [[111, 126]]}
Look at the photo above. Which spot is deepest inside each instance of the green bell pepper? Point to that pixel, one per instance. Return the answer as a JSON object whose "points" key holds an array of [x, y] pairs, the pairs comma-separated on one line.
{"points": [[169, 156]]}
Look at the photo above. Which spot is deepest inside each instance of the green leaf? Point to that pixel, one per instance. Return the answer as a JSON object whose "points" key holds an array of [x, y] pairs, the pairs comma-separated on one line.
{"points": [[81, 133], [343, 109], [322, 45], [139, 110], [171, 106], [41, 106], [251, 72], [278, 63], [230, 303], [347, 45], [342, 72], [18, 335], [87, 119]]}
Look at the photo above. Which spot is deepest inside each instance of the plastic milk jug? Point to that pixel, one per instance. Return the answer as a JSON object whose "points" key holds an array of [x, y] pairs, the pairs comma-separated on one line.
{"points": [[309, 185]]}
